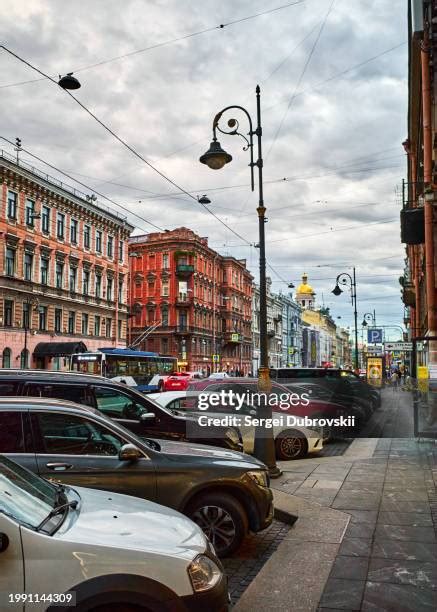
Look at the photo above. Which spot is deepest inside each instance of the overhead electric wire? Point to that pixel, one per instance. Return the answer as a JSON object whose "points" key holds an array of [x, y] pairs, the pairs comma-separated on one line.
{"points": [[302, 74], [91, 189], [125, 144], [166, 43]]}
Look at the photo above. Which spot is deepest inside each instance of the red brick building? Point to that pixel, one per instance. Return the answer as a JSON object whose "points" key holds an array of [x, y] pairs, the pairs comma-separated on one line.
{"points": [[199, 301], [63, 270]]}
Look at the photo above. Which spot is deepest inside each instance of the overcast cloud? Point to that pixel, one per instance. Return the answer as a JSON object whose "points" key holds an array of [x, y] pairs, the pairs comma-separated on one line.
{"points": [[339, 145]]}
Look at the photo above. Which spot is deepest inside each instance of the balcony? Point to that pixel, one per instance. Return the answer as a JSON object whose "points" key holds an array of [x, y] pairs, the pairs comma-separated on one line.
{"points": [[183, 299], [184, 270], [232, 338]]}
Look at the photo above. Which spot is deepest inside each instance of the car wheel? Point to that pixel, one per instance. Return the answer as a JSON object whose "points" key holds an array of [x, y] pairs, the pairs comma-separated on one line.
{"points": [[222, 519], [290, 446]]}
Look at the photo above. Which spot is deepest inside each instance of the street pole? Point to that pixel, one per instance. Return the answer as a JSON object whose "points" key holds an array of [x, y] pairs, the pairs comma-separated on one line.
{"points": [[346, 279], [354, 297], [216, 158]]}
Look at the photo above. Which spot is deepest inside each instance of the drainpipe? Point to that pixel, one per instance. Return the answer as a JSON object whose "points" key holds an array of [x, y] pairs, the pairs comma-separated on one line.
{"points": [[427, 166]]}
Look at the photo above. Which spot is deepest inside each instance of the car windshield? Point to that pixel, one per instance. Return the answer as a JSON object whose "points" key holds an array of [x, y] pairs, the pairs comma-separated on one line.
{"points": [[25, 497]]}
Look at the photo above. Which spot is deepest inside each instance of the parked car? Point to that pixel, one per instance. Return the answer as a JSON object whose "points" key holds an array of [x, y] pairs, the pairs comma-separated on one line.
{"points": [[290, 442], [361, 408], [100, 548], [132, 409], [226, 493], [179, 380], [312, 408], [339, 380]]}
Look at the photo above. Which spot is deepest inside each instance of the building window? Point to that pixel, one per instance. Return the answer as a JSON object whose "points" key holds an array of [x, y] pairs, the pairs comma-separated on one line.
{"points": [[28, 266], [109, 288], [164, 346], [98, 285], [120, 250], [59, 275], [6, 358], [120, 290], [73, 278], [60, 226], [73, 231], [164, 316], [85, 323], [9, 313], [24, 359], [42, 323], [58, 320], [10, 262], [45, 219], [56, 363], [86, 282], [110, 246], [108, 327], [97, 325], [86, 236], [98, 241], [26, 315], [71, 321], [120, 329], [164, 289], [165, 261], [30, 213], [12, 205], [44, 271]]}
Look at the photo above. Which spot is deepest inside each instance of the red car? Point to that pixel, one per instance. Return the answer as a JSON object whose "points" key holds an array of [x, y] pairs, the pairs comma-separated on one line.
{"points": [[312, 408], [179, 381]]}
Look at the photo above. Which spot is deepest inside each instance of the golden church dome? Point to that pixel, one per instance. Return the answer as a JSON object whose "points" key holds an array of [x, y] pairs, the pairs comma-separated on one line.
{"points": [[304, 287]]}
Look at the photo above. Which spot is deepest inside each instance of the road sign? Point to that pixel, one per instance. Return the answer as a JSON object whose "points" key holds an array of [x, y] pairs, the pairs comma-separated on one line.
{"points": [[398, 346], [374, 335], [235, 337], [216, 358]]}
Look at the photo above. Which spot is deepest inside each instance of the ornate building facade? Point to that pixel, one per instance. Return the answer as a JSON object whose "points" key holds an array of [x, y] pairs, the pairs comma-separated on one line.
{"points": [[63, 270], [190, 302]]}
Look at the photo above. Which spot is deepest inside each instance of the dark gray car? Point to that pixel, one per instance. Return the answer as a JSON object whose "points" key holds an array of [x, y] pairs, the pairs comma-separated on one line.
{"points": [[225, 492]]}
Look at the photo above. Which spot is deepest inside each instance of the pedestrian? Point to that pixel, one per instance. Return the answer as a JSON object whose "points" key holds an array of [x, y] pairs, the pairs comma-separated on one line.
{"points": [[395, 379]]}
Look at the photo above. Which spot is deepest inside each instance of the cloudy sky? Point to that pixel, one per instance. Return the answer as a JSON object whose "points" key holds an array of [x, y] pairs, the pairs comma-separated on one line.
{"points": [[333, 76]]}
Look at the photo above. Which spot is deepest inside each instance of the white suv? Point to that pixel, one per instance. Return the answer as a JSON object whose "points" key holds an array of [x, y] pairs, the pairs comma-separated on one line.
{"points": [[65, 548]]}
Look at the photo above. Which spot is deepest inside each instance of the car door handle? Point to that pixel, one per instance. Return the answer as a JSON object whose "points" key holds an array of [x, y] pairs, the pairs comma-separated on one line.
{"points": [[59, 467]]}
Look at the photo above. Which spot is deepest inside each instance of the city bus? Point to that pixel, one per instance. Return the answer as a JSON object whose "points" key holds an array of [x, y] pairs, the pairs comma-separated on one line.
{"points": [[143, 370]]}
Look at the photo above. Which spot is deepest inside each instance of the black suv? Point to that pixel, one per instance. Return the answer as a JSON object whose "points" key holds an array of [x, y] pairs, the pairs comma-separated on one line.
{"points": [[224, 492], [338, 381], [131, 409]]}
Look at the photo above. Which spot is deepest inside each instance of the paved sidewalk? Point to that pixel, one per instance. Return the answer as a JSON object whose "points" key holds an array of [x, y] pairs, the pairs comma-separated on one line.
{"points": [[366, 534]]}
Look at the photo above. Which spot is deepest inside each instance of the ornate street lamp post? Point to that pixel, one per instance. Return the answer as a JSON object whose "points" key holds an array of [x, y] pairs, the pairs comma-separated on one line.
{"points": [[347, 280], [215, 158], [369, 318]]}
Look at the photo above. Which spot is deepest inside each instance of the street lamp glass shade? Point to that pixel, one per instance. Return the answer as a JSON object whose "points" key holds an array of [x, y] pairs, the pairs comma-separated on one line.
{"points": [[337, 291], [204, 200], [68, 82], [364, 323], [215, 158]]}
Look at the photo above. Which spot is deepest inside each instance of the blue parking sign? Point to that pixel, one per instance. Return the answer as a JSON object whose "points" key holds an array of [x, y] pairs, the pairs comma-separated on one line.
{"points": [[374, 336]]}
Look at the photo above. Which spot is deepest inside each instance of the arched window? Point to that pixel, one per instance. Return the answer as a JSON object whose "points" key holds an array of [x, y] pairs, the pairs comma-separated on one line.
{"points": [[6, 358], [24, 359]]}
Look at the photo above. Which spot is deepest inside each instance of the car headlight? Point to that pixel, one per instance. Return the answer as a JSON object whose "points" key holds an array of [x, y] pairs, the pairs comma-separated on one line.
{"points": [[233, 436], [260, 477], [204, 573]]}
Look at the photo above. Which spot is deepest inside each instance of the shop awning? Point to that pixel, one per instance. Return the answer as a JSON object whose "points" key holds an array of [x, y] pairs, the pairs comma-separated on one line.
{"points": [[58, 349]]}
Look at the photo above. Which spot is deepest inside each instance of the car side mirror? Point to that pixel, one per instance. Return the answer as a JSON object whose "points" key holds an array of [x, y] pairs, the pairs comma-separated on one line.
{"points": [[147, 417], [129, 452]]}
